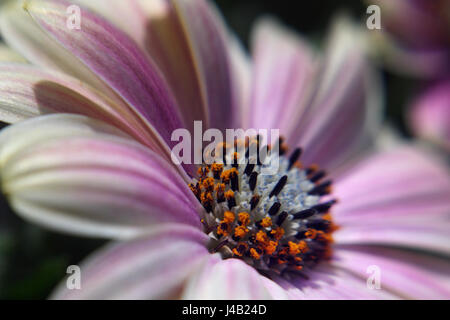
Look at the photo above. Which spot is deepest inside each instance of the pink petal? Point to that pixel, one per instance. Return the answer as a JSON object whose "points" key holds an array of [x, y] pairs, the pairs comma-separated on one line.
{"points": [[28, 91], [77, 175], [23, 34], [408, 274], [166, 40], [229, 279], [417, 22], [425, 63], [342, 114], [151, 267], [283, 71], [431, 237], [326, 282], [164, 29], [430, 114], [208, 40], [115, 58], [126, 15], [242, 68], [397, 197], [157, 29]]}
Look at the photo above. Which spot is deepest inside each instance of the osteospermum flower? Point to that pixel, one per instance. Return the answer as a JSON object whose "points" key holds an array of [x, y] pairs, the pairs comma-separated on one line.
{"points": [[222, 230], [429, 114], [414, 36]]}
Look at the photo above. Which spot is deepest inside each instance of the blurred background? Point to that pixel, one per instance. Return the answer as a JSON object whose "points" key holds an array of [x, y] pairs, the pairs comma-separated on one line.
{"points": [[33, 260]]}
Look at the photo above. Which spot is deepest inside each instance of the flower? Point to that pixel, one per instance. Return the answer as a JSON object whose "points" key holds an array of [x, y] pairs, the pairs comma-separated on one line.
{"points": [[429, 114], [414, 36], [105, 169]]}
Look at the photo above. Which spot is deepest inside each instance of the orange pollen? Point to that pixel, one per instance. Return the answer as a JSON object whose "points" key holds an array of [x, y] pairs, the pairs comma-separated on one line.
{"points": [[206, 197], [194, 189], [303, 246], [220, 187], [225, 176], [237, 253], [296, 248], [240, 249], [261, 237], [223, 229], [240, 231], [266, 222], [208, 184], [229, 194], [255, 255], [217, 168], [203, 171], [311, 233], [233, 171], [271, 247], [228, 217], [278, 233], [244, 218]]}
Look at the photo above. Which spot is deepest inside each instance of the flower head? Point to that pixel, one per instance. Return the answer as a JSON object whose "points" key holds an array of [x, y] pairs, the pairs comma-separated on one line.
{"points": [[415, 36], [222, 230]]}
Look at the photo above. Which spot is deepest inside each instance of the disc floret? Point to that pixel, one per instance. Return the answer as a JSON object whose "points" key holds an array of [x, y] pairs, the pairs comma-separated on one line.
{"points": [[274, 222]]}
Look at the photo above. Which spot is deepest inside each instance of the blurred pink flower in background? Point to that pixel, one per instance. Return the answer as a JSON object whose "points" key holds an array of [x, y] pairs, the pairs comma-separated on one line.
{"points": [[415, 36], [155, 66], [415, 41], [430, 114]]}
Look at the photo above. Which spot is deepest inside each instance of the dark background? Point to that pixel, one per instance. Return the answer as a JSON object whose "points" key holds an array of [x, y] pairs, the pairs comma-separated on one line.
{"points": [[33, 260]]}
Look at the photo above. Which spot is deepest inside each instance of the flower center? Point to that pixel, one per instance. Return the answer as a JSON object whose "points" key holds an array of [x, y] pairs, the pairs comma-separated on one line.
{"points": [[275, 222]]}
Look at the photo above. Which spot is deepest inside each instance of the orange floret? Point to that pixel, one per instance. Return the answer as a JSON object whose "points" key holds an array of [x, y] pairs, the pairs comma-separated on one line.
{"points": [[240, 249], [244, 218], [223, 229], [266, 222], [220, 187], [271, 247], [206, 197], [293, 248], [311, 233], [208, 184], [217, 169], [296, 248], [261, 237], [303, 246], [255, 254], [229, 194], [228, 217], [203, 171], [225, 176], [237, 253], [278, 233], [240, 231]]}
